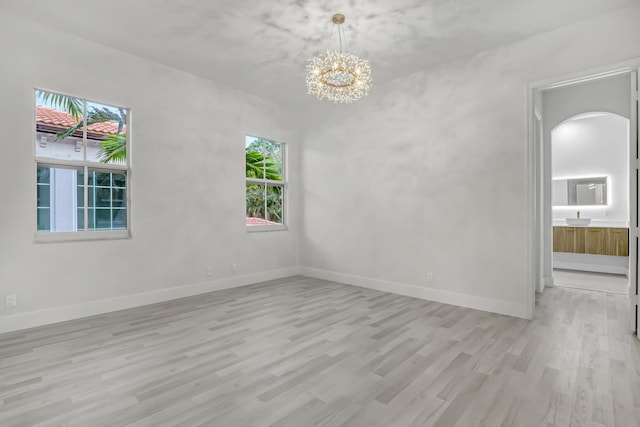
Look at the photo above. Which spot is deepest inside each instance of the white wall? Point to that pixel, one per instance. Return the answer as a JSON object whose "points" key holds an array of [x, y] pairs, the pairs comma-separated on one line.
{"points": [[610, 94], [594, 147], [430, 172], [187, 183]]}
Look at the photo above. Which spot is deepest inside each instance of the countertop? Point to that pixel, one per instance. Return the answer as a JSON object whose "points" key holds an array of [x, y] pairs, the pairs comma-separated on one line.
{"points": [[594, 223]]}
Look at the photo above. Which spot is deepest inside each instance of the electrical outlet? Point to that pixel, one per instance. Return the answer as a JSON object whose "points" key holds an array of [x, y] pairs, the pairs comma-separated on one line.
{"points": [[11, 300], [234, 268], [429, 277], [210, 271]]}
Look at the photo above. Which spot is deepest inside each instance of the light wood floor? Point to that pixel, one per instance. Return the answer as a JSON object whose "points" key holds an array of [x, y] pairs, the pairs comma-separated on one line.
{"points": [[304, 352]]}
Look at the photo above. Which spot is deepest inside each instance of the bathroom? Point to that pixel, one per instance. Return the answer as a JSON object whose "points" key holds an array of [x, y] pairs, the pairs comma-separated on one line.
{"points": [[588, 127]]}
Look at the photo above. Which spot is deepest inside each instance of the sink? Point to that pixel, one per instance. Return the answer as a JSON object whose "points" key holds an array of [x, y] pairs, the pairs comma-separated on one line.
{"points": [[579, 221]]}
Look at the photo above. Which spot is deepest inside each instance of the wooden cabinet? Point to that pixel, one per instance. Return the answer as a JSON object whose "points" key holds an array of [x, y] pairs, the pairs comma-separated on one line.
{"points": [[564, 239], [618, 242], [594, 240], [591, 240]]}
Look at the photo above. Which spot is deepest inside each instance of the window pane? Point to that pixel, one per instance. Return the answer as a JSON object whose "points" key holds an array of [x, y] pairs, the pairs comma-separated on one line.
{"points": [[118, 197], [103, 219], [119, 217], [100, 179], [58, 126], [107, 204], [92, 219], [43, 175], [274, 205], [80, 218], [103, 197], [91, 195], [59, 198], [274, 165], [264, 159], [254, 157], [255, 204], [44, 192], [80, 196], [106, 133], [44, 219], [119, 180]]}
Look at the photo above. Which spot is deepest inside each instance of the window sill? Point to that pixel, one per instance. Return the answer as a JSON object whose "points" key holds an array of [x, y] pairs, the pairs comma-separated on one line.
{"points": [[81, 236], [262, 228]]}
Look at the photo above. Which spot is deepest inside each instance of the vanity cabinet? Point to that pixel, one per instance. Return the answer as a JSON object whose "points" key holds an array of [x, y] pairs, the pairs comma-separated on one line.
{"points": [[591, 240], [618, 241]]}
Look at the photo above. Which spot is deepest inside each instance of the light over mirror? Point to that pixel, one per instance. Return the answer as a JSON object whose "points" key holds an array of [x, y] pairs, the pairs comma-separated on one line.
{"points": [[579, 191]]}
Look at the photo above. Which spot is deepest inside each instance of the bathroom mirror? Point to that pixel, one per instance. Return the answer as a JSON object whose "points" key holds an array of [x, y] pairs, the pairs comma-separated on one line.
{"points": [[579, 191]]}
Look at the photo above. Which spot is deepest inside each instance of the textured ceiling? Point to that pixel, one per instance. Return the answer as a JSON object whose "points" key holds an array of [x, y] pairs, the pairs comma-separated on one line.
{"points": [[262, 47]]}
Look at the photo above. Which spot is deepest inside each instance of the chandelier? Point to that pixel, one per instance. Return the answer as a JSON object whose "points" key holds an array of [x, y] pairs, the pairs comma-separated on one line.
{"points": [[338, 76]]}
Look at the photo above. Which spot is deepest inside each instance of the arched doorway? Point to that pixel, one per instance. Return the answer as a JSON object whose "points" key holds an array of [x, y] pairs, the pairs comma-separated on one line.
{"points": [[590, 202]]}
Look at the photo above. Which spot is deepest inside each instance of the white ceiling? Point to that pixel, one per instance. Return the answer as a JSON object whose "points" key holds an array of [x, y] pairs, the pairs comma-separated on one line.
{"points": [[262, 46]]}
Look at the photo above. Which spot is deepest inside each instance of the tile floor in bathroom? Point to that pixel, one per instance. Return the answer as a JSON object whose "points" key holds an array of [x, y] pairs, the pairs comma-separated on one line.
{"points": [[604, 282]]}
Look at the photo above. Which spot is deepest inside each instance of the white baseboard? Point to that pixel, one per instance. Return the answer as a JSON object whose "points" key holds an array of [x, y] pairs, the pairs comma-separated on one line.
{"points": [[596, 268], [548, 282], [61, 314], [446, 297]]}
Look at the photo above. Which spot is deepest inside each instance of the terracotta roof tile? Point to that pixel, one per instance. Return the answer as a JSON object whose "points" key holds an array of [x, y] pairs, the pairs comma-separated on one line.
{"points": [[49, 116], [259, 221], [54, 117]]}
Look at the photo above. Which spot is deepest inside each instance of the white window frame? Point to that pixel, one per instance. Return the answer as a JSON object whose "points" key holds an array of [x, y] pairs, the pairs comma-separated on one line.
{"points": [[268, 182], [82, 235]]}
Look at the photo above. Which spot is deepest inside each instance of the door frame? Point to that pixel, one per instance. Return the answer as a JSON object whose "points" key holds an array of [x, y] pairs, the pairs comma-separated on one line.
{"points": [[634, 216], [538, 185]]}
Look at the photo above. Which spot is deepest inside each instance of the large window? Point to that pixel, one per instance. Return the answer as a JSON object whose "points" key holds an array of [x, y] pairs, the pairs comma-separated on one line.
{"points": [[82, 167], [266, 184]]}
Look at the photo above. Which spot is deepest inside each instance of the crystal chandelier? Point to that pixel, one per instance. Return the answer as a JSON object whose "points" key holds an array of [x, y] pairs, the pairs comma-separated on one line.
{"points": [[338, 76]]}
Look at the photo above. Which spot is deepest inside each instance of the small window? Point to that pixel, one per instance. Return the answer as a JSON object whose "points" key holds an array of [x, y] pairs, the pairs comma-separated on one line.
{"points": [[82, 169], [265, 184]]}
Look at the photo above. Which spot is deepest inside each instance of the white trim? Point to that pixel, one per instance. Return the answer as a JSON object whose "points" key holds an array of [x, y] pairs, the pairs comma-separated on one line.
{"points": [[537, 112], [61, 314], [633, 206], [548, 282], [262, 228], [438, 295], [79, 164], [584, 76], [80, 236], [269, 182], [531, 250], [595, 268]]}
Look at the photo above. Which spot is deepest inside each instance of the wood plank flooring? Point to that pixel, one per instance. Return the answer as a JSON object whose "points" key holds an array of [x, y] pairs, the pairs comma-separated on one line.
{"points": [[305, 352]]}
